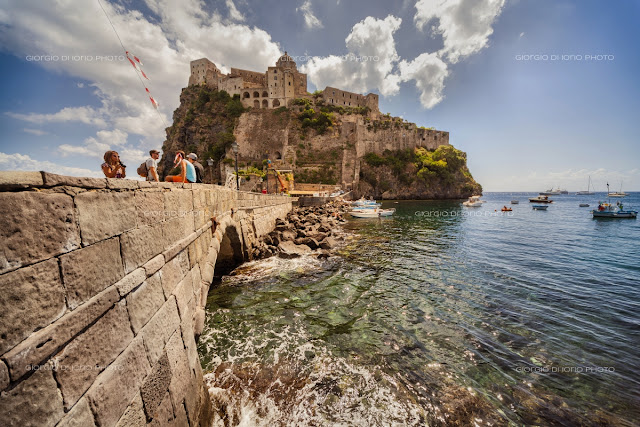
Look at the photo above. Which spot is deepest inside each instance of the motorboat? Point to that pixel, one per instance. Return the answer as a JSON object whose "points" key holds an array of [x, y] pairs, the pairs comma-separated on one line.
{"points": [[364, 202], [473, 202], [607, 210], [506, 209], [540, 207], [540, 199], [584, 205], [588, 192], [372, 213], [515, 202]]}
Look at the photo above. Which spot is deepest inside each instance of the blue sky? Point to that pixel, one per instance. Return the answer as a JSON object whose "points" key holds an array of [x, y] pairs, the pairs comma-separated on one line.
{"points": [[526, 122]]}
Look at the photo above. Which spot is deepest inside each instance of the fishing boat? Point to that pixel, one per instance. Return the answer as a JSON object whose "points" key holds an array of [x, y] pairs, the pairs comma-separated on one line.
{"points": [[540, 199], [608, 210], [372, 213], [588, 192], [540, 207], [473, 202]]}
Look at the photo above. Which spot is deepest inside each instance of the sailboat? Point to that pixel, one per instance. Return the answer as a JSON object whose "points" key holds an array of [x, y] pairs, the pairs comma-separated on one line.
{"points": [[588, 192], [617, 193]]}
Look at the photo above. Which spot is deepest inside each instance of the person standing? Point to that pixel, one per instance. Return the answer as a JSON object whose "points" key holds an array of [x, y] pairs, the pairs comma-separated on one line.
{"points": [[112, 168], [187, 171], [193, 158], [152, 166]]}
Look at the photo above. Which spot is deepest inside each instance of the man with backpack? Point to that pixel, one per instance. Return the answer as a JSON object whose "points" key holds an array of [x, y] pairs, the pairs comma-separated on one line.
{"points": [[149, 169]]}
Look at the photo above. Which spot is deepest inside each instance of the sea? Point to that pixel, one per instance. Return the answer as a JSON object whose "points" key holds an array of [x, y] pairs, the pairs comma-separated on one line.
{"points": [[440, 315]]}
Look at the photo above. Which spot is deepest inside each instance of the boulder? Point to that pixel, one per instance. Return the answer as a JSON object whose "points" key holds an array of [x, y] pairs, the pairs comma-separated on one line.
{"points": [[288, 235], [291, 250], [311, 243], [328, 243]]}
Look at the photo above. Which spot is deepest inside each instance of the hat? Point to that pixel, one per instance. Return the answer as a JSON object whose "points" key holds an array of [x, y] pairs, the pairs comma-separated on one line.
{"points": [[193, 156]]}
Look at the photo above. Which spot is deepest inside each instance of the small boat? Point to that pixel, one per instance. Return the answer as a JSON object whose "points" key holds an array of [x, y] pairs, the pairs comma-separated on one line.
{"points": [[515, 202], [506, 209], [473, 202], [540, 207], [588, 192], [372, 213], [584, 205], [540, 199]]}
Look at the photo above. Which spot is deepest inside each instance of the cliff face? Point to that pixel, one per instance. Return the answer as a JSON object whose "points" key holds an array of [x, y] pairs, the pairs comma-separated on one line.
{"points": [[320, 143]]}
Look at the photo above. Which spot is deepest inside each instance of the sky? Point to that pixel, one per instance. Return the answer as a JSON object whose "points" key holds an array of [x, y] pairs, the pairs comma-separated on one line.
{"points": [[539, 93]]}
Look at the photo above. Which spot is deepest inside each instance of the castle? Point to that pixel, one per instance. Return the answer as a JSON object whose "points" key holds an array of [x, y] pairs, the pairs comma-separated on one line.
{"points": [[277, 87]]}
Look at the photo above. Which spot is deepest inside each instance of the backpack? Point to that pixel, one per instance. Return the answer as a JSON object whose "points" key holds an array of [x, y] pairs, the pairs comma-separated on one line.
{"points": [[142, 169]]}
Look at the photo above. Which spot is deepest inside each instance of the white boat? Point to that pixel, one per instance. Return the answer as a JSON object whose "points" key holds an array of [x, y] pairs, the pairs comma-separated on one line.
{"points": [[372, 213], [588, 192], [616, 193], [540, 207], [550, 192], [473, 202]]}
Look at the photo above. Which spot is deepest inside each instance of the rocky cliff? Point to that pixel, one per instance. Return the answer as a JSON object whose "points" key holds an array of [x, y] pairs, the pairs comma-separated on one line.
{"points": [[321, 143]]}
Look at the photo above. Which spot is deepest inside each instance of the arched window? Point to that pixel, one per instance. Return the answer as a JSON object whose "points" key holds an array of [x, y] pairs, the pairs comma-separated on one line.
{"points": [[265, 103], [276, 103], [278, 156], [256, 104], [265, 93], [245, 95], [256, 94]]}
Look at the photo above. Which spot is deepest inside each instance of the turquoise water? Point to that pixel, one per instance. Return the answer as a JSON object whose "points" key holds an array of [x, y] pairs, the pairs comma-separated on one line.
{"points": [[441, 315]]}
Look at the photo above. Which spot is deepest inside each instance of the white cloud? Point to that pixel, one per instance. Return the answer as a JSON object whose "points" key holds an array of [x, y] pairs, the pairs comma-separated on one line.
{"points": [[234, 13], [183, 32], [35, 131], [465, 25], [96, 146], [85, 115], [80, 85], [310, 20], [429, 72], [369, 64], [22, 162], [521, 34]]}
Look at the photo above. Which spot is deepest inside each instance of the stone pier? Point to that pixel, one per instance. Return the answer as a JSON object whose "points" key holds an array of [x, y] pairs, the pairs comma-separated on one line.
{"points": [[103, 284]]}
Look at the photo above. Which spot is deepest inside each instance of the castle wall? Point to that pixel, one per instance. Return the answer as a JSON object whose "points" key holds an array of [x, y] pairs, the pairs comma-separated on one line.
{"points": [[250, 76], [103, 284]]}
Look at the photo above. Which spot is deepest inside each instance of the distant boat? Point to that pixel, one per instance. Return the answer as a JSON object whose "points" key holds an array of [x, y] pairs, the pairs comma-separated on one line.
{"points": [[616, 193], [562, 191], [550, 192], [372, 213], [540, 199], [515, 202], [540, 207], [506, 209], [584, 205], [588, 192], [473, 202]]}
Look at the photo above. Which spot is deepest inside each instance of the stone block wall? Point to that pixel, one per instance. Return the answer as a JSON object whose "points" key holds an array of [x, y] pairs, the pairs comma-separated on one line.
{"points": [[103, 285]]}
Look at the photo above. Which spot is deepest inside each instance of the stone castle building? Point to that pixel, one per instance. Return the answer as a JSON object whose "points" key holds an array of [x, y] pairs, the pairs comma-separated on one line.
{"points": [[277, 87]]}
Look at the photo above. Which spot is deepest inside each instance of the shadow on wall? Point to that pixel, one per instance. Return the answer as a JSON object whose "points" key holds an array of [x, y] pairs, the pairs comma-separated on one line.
{"points": [[230, 254]]}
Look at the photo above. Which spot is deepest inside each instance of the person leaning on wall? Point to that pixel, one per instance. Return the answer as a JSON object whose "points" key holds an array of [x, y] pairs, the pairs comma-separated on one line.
{"points": [[112, 167], [152, 166], [193, 158], [187, 171]]}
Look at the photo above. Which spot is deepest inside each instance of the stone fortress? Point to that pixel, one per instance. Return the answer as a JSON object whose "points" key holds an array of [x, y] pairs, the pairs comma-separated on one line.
{"points": [[275, 88]]}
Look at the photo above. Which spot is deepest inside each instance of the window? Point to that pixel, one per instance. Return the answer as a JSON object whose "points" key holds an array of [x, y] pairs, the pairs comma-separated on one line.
{"points": [[275, 78], [289, 83], [275, 71]]}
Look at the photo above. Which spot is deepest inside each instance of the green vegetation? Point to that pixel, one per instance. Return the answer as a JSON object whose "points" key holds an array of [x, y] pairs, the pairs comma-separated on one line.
{"points": [[321, 122], [319, 176], [442, 163]]}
